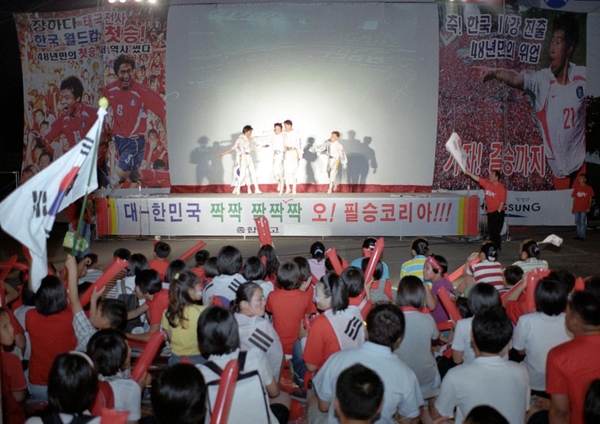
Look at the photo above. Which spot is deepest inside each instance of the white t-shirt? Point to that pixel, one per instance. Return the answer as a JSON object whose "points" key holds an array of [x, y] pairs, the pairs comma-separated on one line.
{"points": [[128, 396], [402, 393], [488, 380], [462, 339], [223, 285], [537, 333]]}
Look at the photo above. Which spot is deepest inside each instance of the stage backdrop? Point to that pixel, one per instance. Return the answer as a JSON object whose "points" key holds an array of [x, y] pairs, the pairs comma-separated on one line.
{"points": [[532, 129], [79, 47], [366, 70]]}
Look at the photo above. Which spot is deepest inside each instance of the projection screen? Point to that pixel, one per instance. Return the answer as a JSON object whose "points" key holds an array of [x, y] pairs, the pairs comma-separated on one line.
{"points": [[369, 71]]}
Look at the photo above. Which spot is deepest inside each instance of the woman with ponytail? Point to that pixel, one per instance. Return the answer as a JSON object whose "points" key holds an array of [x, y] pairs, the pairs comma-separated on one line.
{"points": [[529, 255]]}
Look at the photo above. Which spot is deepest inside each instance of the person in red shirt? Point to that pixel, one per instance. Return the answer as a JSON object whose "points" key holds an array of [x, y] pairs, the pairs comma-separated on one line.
{"points": [[495, 200], [582, 202], [14, 384], [148, 285], [160, 263], [130, 102], [573, 365]]}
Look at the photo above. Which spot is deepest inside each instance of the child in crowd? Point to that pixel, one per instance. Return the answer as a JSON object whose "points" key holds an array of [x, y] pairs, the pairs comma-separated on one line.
{"points": [[435, 273], [512, 275], [307, 277], [256, 331], [115, 285], [358, 294], [540, 331], [255, 271], [51, 332], [175, 267], [219, 340], [421, 330], [211, 270], [419, 248], [14, 384], [111, 355], [200, 259], [179, 395], [148, 287], [225, 285], [137, 263], [489, 379], [482, 297], [367, 251], [272, 261], [317, 260], [338, 328], [160, 262], [529, 257], [72, 387], [487, 270], [289, 305], [180, 319], [88, 271], [380, 291]]}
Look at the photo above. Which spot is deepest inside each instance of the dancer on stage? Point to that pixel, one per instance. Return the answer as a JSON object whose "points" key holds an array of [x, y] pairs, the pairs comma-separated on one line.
{"points": [[336, 154], [244, 165], [275, 140], [292, 144]]}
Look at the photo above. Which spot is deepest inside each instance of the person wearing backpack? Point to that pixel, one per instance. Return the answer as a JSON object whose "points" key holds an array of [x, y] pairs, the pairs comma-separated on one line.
{"points": [[219, 341], [72, 386]]}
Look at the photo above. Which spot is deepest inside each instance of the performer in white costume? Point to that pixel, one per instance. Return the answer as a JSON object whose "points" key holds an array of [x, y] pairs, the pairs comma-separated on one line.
{"points": [[244, 165], [275, 140], [336, 155], [292, 145]]}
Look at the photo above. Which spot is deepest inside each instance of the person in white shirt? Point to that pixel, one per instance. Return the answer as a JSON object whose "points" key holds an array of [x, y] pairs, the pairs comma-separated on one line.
{"points": [[336, 156], [292, 147]]}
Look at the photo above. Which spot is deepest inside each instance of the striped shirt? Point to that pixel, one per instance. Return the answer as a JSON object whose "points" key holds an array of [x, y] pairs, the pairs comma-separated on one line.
{"points": [[530, 264], [413, 267], [486, 272]]}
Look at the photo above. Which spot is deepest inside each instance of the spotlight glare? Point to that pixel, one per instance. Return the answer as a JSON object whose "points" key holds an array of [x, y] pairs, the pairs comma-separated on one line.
{"points": [[122, 1], [152, 1], [112, 1]]}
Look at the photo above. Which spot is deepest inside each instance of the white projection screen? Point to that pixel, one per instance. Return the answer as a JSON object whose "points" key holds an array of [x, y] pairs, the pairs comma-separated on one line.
{"points": [[369, 71]]}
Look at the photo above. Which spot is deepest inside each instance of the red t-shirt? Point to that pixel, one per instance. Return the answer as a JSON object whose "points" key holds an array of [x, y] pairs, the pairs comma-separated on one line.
{"points": [[516, 308], [570, 369], [75, 127], [199, 271], [50, 336], [160, 266], [130, 107], [321, 342], [158, 305], [13, 379], [582, 196], [288, 308], [494, 195]]}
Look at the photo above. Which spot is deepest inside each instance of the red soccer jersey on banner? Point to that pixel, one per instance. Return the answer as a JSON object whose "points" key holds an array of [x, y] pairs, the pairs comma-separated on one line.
{"points": [[130, 108], [74, 127], [494, 194]]}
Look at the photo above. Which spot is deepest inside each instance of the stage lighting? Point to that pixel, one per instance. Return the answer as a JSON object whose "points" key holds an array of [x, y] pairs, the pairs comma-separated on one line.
{"points": [[122, 1], [112, 1]]}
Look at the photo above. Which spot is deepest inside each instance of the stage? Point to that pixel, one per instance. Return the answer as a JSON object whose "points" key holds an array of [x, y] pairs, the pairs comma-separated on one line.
{"points": [[305, 214]]}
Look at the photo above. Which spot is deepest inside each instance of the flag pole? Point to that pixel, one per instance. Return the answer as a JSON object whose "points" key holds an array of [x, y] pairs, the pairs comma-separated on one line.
{"points": [[103, 103]]}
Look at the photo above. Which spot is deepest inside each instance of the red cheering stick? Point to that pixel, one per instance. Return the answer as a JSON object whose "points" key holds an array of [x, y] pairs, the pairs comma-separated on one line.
{"points": [[112, 416], [377, 251], [7, 267], [460, 270], [225, 393], [449, 305], [335, 261], [264, 231], [108, 275], [142, 365], [579, 284], [532, 279], [507, 293], [192, 250]]}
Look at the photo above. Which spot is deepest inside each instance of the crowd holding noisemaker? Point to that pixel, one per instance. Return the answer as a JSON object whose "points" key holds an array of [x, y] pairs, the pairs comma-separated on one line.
{"points": [[339, 299]]}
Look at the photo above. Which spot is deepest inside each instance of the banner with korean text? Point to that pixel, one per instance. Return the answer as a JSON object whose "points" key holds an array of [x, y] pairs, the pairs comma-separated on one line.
{"points": [[72, 58], [181, 215], [512, 84]]}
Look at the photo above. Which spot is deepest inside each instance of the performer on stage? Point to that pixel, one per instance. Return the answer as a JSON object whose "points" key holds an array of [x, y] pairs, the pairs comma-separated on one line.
{"points": [[558, 96], [275, 140], [495, 200], [244, 165], [336, 154], [130, 102], [292, 144]]}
